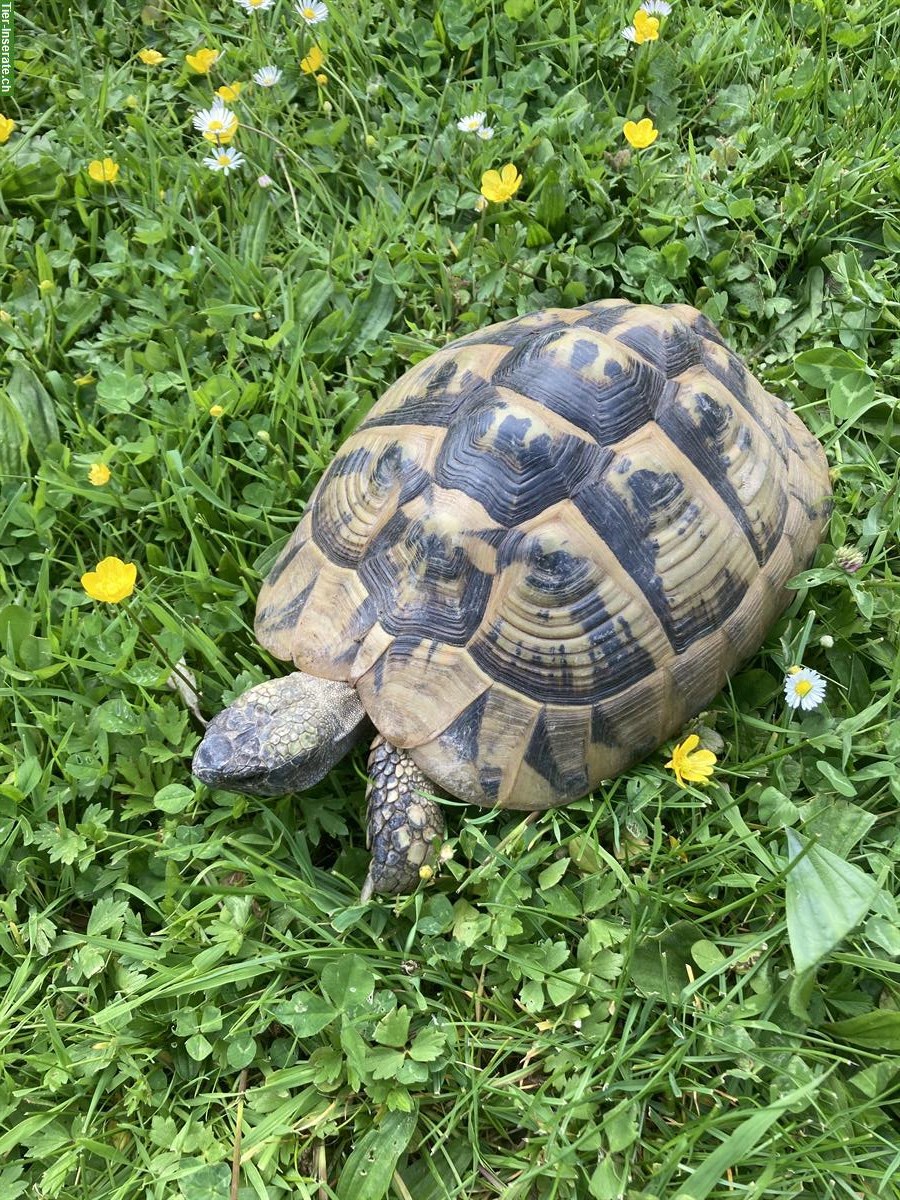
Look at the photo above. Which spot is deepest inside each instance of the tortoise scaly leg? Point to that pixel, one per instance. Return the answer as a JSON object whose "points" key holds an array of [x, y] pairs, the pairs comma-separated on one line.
{"points": [[403, 826]]}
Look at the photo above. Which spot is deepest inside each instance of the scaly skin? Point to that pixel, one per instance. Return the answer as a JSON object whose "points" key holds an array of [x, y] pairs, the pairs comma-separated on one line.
{"points": [[280, 736], [286, 734], [404, 826]]}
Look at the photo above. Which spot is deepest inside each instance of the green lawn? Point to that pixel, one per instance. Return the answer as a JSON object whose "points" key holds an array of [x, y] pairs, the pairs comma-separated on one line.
{"points": [[657, 992]]}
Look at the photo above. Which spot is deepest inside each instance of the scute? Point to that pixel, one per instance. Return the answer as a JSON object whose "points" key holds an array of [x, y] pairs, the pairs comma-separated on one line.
{"points": [[548, 545]]}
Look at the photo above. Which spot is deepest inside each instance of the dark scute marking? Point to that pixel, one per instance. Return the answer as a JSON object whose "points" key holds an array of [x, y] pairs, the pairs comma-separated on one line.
{"points": [[602, 729], [539, 756], [515, 332], [609, 514], [602, 320], [490, 779], [703, 444], [434, 404], [275, 620], [545, 670], [462, 736], [512, 475], [347, 464], [607, 410], [704, 328], [584, 352], [733, 376], [284, 560], [330, 516], [672, 352], [627, 530], [448, 596]]}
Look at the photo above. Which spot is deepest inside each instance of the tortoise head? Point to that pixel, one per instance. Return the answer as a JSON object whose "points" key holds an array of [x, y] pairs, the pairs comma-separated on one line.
{"points": [[281, 736]]}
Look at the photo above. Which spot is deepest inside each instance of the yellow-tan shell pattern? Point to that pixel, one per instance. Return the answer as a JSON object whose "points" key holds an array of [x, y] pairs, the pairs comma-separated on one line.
{"points": [[548, 545]]}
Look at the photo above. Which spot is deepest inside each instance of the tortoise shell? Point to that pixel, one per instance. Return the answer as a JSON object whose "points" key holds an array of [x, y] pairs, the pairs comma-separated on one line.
{"points": [[548, 545]]}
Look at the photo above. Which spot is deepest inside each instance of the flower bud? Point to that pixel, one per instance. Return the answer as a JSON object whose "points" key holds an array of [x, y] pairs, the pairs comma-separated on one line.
{"points": [[848, 558]]}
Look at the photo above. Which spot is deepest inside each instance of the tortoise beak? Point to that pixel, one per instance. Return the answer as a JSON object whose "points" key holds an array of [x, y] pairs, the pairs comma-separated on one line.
{"points": [[210, 759]]}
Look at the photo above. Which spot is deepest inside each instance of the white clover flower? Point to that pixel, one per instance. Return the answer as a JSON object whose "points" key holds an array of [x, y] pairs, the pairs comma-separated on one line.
{"points": [[312, 14], [471, 124], [217, 124], [265, 181], [225, 159], [803, 688], [256, 5], [267, 76], [656, 8], [629, 33], [486, 132]]}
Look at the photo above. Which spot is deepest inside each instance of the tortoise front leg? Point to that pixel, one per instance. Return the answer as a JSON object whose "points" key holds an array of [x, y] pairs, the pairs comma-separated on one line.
{"points": [[403, 825]]}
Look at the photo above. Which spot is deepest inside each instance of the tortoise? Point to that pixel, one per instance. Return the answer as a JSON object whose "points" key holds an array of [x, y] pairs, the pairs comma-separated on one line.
{"points": [[545, 548]]}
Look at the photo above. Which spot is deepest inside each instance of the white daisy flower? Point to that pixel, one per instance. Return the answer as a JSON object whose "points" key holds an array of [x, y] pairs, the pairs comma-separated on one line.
{"points": [[267, 76], [486, 132], [265, 181], [471, 124], [656, 8], [803, 688], [629, 33], [217, 124], [312, 14], [256, 5], [225, 159]]}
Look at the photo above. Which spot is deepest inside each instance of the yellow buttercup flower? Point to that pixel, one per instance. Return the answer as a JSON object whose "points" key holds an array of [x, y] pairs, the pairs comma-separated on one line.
{"points": [[99, 474], [7, 125], [501, 185], [229, 91], [313, 61], [216, 410], [103, 171], [640, 134], [112, 581], [690, 764], [646, 28], [202, 62], [150, 58]]}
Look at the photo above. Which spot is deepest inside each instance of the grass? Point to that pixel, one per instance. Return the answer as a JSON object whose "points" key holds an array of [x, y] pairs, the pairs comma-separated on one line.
{"points": [[653, 993]]}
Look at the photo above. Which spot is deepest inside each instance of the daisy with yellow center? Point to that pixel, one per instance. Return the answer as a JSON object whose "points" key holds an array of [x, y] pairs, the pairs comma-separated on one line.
{"points": [[313, 61], [472, 123], [267, 76], [217, 124], [112, 581], [690, 764], [225, 160], [229, 92], [99, 474], [804, 688], [203, 61], [640, 134], [150, 58], [313, 14], [104, 170], [500, 186], [7, 125], [256, 5]]}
